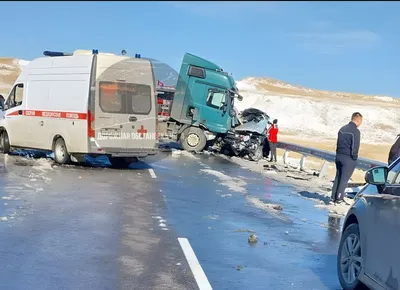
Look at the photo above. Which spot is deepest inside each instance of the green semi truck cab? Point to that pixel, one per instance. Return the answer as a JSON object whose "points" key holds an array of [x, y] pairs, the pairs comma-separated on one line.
{"points": [[203, 104]]}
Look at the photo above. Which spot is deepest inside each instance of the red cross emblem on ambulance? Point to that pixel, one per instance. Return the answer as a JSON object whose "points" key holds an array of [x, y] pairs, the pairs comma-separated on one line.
{"points": [[142, 131]]}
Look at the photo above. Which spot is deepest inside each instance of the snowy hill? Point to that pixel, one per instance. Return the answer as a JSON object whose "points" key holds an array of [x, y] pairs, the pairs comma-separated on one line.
{"points": [[307, 113], [10, 68], [302, 112]]}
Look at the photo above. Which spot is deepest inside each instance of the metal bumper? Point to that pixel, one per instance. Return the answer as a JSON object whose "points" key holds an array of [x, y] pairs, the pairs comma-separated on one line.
{"points": [[134, 152]]}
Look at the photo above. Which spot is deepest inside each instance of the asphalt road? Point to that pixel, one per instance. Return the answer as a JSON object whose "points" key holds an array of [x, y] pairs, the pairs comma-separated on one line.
{"points": [[96, 228]]}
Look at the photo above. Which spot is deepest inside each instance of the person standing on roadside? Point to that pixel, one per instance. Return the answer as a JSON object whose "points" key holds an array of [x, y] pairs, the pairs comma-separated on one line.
{"points": [[347, 146], [273, 139], [394, 152]]}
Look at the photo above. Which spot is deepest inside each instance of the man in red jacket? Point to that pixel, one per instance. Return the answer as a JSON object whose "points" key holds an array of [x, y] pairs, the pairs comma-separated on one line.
{"points": [[273, 139]]}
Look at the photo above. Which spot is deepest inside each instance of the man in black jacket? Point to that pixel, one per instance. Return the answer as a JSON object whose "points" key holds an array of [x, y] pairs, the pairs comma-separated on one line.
{"points": [[347, 146], [394, 152]]}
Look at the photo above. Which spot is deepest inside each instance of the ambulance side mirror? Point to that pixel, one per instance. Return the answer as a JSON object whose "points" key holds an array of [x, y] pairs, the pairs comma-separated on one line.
{"points": [[1, 103]]}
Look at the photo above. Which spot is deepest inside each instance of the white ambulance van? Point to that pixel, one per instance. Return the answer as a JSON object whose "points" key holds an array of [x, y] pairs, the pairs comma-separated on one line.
{"points": [[83, 103]]}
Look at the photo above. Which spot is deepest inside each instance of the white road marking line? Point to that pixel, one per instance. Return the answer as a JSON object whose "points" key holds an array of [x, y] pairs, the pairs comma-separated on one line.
{"points": [[194, 264], [152, 173]]}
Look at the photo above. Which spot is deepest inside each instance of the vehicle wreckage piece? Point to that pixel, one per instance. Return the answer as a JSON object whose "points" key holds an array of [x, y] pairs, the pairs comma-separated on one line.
{"points": [[247, 138]]}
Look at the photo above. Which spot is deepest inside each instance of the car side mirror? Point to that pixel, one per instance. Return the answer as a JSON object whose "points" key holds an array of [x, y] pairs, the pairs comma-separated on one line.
{"points": [[377, 175], [2, 102]]}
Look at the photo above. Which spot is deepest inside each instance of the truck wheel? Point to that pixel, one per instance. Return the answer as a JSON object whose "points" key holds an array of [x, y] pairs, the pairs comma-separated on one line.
{"points": [[61, 155], [257, 154], [4, 142], [193, 139]]}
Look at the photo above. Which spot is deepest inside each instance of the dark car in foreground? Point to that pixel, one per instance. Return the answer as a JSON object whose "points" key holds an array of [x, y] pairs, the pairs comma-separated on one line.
{"points": [[369, 251]]}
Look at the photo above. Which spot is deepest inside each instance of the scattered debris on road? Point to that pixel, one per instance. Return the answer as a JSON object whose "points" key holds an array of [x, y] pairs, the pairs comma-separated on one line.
{"points": [[244, 231], [252, 239], [239, 267]]}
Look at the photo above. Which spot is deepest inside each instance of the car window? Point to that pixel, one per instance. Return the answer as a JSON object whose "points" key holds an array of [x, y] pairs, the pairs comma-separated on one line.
{"points": [[393, 175]]}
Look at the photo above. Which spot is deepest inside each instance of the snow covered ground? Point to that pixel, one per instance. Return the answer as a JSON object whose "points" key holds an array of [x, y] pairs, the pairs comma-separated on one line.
{"points": [[318, 115]]}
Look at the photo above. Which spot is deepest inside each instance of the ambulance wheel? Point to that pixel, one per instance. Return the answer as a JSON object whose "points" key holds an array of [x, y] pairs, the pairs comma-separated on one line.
{"points": [[61, 155], [193, 139], [4, 142]]}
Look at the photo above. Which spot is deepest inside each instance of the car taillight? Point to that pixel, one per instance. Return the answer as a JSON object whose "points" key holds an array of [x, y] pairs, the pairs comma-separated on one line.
{"points": [[90, 123]]}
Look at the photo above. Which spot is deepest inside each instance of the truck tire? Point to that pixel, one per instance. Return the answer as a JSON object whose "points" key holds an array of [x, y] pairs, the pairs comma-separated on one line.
{"points": [[193, 139], [4, 142], [61, 155]]}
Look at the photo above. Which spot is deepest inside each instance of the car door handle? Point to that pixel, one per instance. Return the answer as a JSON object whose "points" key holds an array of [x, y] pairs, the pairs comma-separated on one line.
{"points": [[19, 112], [41, 123], [132, 119]]}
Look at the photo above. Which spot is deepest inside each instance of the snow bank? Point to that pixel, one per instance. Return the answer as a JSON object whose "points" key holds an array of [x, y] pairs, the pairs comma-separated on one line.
{"points": [[22, 62]]}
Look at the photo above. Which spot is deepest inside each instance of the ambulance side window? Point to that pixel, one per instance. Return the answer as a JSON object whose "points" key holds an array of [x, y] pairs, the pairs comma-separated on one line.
{"points": [[19, 94], [15, 97]]}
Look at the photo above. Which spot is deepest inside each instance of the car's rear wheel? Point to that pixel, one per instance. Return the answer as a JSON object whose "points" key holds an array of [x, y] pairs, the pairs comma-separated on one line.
{"points": [[61, 155], [349, 261]]}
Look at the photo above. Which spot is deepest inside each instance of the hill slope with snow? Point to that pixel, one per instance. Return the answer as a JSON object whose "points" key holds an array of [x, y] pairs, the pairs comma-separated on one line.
{"points": [[10, 68], [307, 113]]}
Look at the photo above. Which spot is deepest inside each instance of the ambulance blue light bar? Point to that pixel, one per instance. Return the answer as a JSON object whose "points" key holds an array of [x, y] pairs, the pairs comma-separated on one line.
{"points": [[137, 55], [55, 53], [95, 51]]}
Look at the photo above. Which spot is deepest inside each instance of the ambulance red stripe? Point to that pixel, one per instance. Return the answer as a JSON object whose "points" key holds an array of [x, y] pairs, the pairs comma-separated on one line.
{"points": [[51, 114]]}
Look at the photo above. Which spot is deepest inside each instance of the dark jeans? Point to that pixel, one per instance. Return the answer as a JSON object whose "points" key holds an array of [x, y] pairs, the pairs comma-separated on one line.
{"points": [[273, 146], [266, 148], [345, 166]]}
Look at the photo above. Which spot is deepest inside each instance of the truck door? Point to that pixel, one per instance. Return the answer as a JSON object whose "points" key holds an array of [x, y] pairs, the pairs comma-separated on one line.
{"points": [[215, 111], [14, 115]]}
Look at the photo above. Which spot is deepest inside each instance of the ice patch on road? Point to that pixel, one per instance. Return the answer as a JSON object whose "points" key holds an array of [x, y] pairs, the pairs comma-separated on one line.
{"points": [[307, 185], [234, 184], [10, 197], [43, 165], [340, 210], [176, 153], [162, 222], [268, 207], [213, 217]]}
